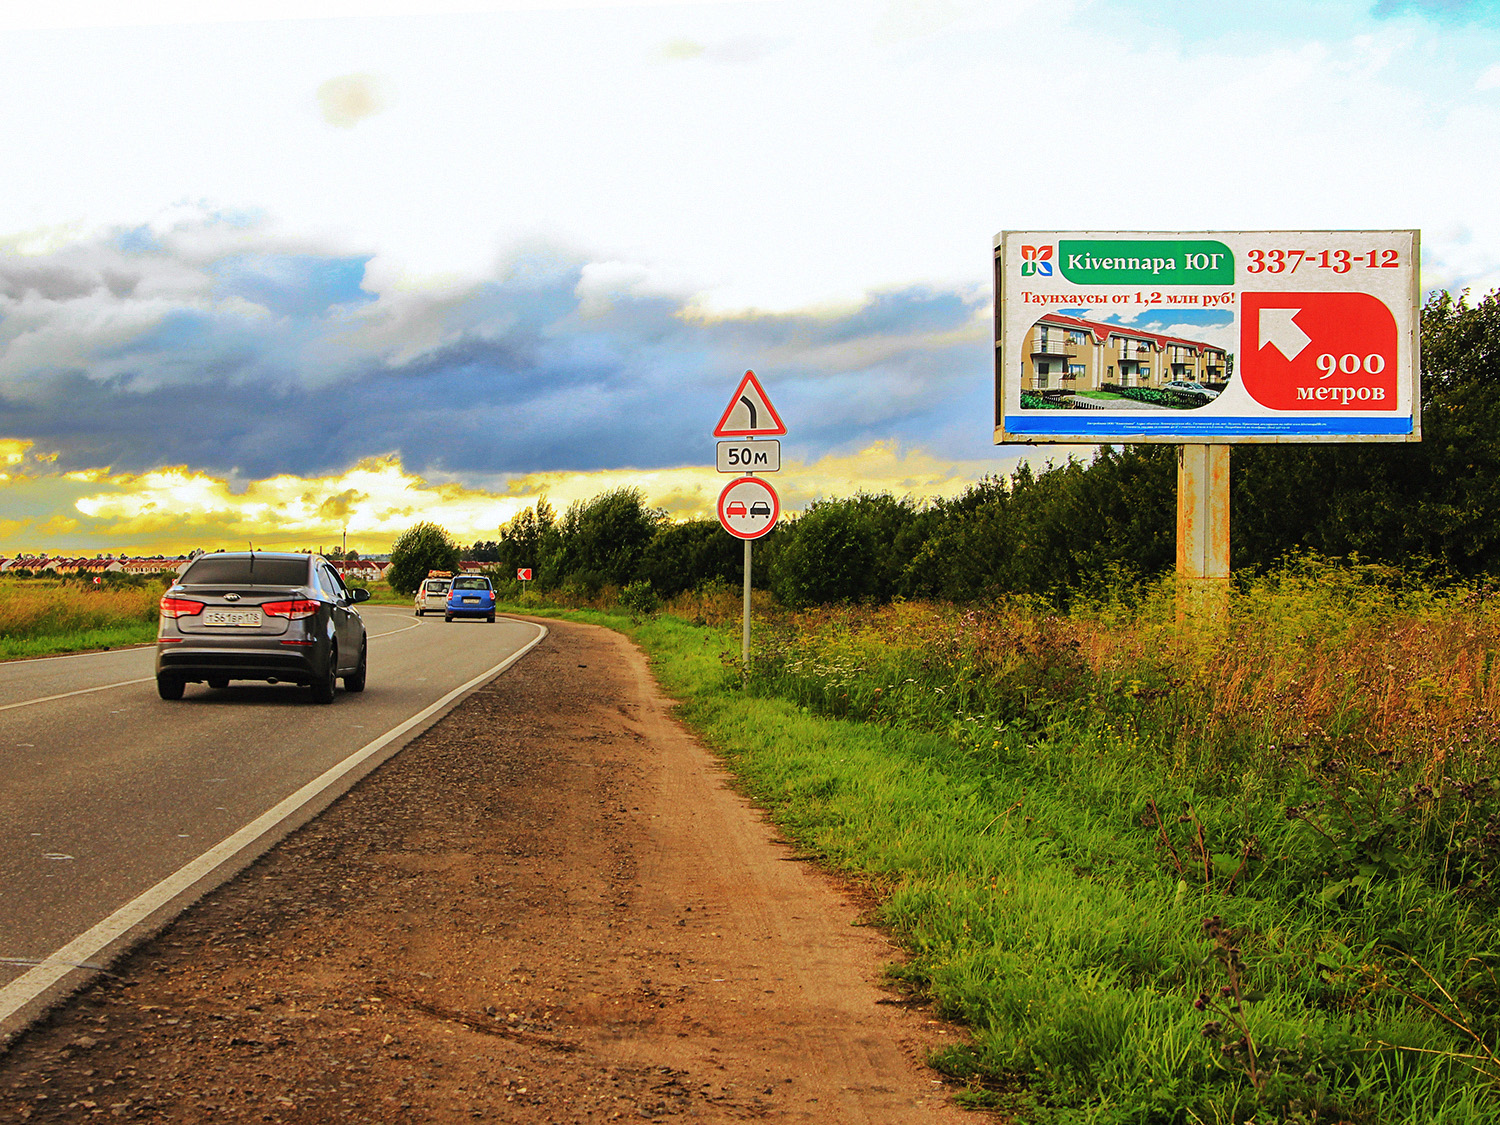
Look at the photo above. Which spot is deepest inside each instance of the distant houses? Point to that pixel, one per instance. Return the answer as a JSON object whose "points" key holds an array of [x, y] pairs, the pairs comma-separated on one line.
{"points": [[98, 566], [356, 570], [362, 570]]}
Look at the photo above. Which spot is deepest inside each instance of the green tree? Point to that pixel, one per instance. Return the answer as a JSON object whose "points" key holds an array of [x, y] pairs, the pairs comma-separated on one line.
{"points": [[682, 555], [604, 540], [855, 550], [421, 548], [527, 541], [1067, 528]]}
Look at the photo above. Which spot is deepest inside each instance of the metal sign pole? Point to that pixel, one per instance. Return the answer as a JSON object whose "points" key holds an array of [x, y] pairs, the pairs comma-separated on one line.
{"points": [[745, 644]]}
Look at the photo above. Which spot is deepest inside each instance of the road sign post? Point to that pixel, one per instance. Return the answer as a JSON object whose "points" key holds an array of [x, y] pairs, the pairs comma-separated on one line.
{"points": [[748, 508]]}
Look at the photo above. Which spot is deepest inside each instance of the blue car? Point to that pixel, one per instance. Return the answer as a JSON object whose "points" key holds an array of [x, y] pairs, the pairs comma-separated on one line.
{"points": [[471, 595]]}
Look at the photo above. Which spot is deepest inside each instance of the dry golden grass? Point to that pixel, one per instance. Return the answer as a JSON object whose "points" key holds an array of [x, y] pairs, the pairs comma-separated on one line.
{"points": [[38, 608]]}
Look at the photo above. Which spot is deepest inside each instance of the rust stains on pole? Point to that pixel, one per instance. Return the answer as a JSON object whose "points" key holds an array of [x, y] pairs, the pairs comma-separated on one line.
{"points": [[1202, 532]]}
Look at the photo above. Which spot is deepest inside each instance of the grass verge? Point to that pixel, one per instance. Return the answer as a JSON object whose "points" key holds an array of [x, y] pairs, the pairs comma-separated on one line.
{"points": [[83, 640], [1129, 938]]}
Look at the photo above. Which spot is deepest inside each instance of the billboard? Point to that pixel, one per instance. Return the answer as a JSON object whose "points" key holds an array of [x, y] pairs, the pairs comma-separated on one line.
{"points": [[1206, 337]]}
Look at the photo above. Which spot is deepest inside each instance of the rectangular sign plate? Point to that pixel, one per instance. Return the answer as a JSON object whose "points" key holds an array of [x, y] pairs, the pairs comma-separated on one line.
{"points": [[1207, 337], [243, 618], [749, 456]]}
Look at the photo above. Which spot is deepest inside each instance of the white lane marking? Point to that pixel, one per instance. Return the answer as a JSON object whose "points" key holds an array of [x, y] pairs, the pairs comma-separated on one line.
{"points": [[68, 694], [116, 651], [393, 632], [89, 944]]}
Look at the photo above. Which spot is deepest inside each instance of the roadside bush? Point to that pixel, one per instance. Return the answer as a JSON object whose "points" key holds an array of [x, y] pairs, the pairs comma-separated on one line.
{"points": [[846, 550], [639, 599]]}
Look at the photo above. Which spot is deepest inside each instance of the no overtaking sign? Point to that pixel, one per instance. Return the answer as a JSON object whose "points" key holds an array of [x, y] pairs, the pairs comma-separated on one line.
{"points": [[748, 508]]}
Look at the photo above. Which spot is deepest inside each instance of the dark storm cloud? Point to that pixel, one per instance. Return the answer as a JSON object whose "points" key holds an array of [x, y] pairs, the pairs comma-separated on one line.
{"points": [[255, 362]]}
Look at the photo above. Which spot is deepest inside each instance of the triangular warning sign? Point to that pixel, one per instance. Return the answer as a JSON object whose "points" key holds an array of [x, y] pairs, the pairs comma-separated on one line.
{"points": [[749, 413]]}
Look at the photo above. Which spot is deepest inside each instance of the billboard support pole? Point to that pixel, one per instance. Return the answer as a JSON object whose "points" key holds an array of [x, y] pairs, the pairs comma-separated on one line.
{"points": [[1202, 532]]}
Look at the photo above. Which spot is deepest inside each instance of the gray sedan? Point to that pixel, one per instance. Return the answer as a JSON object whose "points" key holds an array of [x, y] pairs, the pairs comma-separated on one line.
{"points": [[261, 615]]}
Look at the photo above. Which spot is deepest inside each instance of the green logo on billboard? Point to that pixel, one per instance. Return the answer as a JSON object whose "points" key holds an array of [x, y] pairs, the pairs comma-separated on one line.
{"points": [[1200, 261]]}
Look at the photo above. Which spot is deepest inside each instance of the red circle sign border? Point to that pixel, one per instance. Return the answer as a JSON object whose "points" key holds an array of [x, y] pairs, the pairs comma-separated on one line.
{"points": [[775, 507]]}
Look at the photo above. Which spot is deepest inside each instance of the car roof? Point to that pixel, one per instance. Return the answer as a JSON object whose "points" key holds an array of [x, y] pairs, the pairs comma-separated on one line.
{"points": [[256, 554]]}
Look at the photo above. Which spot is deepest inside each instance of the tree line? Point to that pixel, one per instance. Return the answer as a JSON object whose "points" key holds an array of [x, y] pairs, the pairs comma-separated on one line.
{"points": [[1431, 506]]}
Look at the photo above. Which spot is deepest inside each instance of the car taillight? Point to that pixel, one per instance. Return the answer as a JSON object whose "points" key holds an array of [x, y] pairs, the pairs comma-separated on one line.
{"points": [[180, 607], [292, 611]]}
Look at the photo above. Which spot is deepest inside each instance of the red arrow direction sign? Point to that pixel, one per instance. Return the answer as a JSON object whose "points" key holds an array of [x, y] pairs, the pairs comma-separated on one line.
{"points": [[748, 508], [1318, 351], [750, 413]]}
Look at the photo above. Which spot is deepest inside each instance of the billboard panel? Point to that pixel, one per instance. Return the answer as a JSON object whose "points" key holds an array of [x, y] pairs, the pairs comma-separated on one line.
{"points": [[1206, 337]]}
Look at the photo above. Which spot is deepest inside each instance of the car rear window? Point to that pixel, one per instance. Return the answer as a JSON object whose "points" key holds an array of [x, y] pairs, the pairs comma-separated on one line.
{"points": [[471, 583], [437, 585], [211, 570]]}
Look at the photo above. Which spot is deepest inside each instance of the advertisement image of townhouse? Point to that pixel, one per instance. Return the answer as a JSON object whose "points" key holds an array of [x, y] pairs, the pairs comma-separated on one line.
{"points": [[1071, 363]]}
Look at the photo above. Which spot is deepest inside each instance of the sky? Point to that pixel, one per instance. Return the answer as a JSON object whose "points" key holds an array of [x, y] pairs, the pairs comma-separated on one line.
{"points": [[302, 274]]}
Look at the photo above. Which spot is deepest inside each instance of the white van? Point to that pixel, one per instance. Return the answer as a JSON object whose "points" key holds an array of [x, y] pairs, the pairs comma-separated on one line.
{"points": [[432, 595]]}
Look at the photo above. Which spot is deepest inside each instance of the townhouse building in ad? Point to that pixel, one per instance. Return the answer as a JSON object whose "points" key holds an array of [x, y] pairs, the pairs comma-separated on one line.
{"points": [[1064, 353]]}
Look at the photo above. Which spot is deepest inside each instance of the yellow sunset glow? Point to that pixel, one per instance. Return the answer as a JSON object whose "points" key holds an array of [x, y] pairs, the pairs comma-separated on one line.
{"points": [[174, 510]]}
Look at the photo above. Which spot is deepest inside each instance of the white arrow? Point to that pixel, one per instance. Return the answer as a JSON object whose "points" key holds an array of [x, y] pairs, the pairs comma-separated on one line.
{"points": [[1279, 327]]}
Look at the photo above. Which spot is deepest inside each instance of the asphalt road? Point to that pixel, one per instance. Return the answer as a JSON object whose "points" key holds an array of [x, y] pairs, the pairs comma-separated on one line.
{"points": [[106, 789]]}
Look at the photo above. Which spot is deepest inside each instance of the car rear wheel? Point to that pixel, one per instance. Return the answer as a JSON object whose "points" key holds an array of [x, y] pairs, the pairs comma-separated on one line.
{"points": [[322, 690], [447, 617], [169, 687], [356, 680]]}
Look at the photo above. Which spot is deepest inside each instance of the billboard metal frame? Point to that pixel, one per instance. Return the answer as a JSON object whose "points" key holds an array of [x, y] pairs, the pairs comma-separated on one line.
{"points": [[1252, 264]]}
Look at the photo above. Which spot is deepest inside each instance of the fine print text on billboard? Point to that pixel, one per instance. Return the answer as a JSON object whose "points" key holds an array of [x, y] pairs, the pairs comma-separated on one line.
{"points": [[1220, 336]]}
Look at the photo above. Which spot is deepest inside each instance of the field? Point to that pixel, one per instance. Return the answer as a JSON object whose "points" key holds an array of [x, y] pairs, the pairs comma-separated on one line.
{"points": [[39, 616]]}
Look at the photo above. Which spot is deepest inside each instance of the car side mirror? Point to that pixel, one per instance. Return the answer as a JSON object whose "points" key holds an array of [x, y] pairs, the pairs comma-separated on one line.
{"points": [[359, 595]]}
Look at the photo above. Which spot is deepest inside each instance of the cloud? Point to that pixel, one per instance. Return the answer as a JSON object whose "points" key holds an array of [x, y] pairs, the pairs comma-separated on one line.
{"points": [[347, 100], [240, 352], [738, 50]]}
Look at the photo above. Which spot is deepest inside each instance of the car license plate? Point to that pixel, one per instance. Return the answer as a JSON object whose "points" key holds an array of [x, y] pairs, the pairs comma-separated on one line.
{"points": [[244, 618], [471, 601]]}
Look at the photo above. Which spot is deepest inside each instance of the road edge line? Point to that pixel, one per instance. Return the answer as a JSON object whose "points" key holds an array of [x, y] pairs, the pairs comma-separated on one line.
{"points": [[78, 955]]}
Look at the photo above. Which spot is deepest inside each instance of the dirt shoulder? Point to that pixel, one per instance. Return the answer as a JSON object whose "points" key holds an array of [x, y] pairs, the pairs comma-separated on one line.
{"points": [[548, 908]]}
